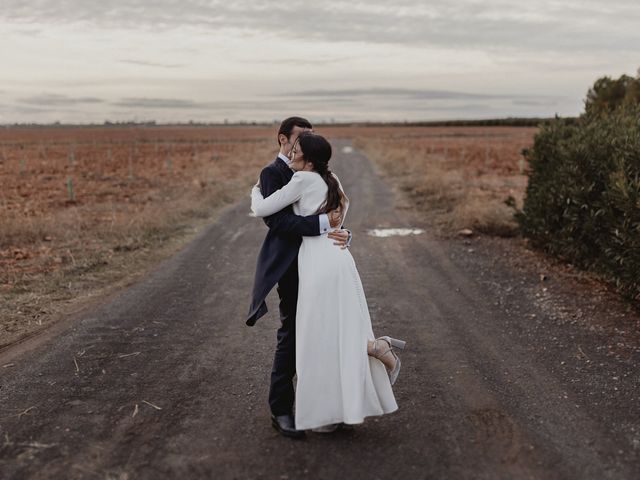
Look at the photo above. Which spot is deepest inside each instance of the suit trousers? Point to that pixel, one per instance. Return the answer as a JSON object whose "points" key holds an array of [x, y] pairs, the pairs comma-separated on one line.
{"points": [[281, 391]]}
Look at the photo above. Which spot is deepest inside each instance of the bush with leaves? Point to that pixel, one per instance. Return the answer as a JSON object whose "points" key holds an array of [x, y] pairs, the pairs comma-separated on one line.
{"points": [[582, 201], [608, 94]]}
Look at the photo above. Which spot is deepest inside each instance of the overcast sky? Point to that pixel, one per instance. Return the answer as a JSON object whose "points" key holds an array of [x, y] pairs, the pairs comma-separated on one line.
{"points": [[204, 60]]}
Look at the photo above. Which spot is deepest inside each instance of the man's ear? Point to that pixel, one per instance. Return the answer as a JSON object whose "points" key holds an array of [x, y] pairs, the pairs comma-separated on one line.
{"points": [[282, 138]]}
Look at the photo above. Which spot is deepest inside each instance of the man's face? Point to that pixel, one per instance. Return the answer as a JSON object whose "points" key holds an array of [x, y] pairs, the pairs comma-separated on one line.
{"points": [[292, 139]]}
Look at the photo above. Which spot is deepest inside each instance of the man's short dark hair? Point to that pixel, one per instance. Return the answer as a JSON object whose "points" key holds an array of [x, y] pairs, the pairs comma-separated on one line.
{"points": [[286, 127]]}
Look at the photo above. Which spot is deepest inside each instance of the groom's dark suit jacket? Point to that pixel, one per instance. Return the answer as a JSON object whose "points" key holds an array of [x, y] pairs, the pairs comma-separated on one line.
{"points": [[280, 247]]}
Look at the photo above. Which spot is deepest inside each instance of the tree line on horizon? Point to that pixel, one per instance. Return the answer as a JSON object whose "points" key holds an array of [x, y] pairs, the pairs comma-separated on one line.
{"points": [[485, 122]]}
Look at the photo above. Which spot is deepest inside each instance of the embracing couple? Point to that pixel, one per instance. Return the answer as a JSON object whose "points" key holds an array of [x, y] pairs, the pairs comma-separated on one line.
{"points": [[343, 373]]}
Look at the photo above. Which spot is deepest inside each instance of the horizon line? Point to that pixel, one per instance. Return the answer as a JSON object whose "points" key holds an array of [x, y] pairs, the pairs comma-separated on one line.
{"points": [[154, 123]]}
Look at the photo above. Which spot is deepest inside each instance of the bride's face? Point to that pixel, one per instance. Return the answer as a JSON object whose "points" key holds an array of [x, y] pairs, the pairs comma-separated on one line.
{"points": [[298, 162]]}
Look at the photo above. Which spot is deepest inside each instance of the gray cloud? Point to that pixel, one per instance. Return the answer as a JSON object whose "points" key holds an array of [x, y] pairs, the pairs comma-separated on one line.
{"points": [[26, 110], [56, 100], [534, 103], [160, 103], [586, 26], [151, 64], [299, 61], [42, 111], [408, 93], [186, 104], [392, 92], [28, 32]]}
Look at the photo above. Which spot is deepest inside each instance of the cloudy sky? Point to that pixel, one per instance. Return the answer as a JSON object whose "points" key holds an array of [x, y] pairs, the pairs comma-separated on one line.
{"points": [[207, 60]]}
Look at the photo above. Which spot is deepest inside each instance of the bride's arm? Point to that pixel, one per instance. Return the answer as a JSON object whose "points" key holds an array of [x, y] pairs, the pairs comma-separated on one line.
{"points": [[290, 193]]}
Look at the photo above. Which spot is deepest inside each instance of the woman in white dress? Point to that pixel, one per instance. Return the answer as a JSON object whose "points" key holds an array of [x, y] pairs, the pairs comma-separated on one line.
{"points": [[344, 373]]}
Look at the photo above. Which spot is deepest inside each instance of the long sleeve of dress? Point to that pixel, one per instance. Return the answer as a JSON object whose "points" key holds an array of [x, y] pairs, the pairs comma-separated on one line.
{"points": [[290, 193]]}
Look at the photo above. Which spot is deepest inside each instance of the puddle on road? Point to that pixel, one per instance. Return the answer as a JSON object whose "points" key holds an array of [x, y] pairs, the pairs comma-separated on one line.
{"points": [[394, 232], [347, 149]]}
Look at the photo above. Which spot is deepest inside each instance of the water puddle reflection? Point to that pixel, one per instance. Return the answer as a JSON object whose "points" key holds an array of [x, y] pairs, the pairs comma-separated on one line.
{"points": [[394, 232]]}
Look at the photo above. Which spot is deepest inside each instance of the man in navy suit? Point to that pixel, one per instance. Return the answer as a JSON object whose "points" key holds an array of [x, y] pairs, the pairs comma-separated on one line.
{"points": [[277, 263]]}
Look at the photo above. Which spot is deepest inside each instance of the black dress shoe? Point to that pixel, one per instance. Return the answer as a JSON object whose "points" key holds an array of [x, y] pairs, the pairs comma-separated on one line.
{"points": [[285, 424]]}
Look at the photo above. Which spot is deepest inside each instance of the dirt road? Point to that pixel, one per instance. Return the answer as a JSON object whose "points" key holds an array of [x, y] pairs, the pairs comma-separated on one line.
{"points": [[164, 380]]}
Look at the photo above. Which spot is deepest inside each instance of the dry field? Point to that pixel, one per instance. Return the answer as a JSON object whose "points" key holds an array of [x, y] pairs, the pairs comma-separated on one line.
{"points": [[458, 177], [85, 210]]}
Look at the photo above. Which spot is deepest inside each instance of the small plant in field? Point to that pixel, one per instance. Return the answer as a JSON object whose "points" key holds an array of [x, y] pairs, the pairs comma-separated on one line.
{"points": [[70, 192], [131, 163]]}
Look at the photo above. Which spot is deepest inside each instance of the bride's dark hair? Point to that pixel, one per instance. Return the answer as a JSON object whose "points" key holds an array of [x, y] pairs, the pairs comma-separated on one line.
{"points": [[317, 150]]}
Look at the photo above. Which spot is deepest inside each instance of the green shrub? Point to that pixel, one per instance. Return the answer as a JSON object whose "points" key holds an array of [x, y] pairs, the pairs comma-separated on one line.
{"points": [[608, 94], [582, 201]]}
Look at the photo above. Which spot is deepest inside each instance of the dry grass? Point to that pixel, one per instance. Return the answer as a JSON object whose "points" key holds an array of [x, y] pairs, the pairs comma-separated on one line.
{"points": [[125, 218], [457, 177]]}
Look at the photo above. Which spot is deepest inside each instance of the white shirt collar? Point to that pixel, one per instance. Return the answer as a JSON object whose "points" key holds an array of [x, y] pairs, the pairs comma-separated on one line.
{"points": [[285, 159]]}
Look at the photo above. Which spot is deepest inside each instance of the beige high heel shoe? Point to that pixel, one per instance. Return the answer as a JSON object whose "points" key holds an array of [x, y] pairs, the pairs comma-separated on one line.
{"points": [[392, 342]]}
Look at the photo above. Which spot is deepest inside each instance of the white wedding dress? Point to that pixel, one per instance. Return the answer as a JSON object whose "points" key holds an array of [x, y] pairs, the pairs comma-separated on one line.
{"points": [[336, 380]]}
